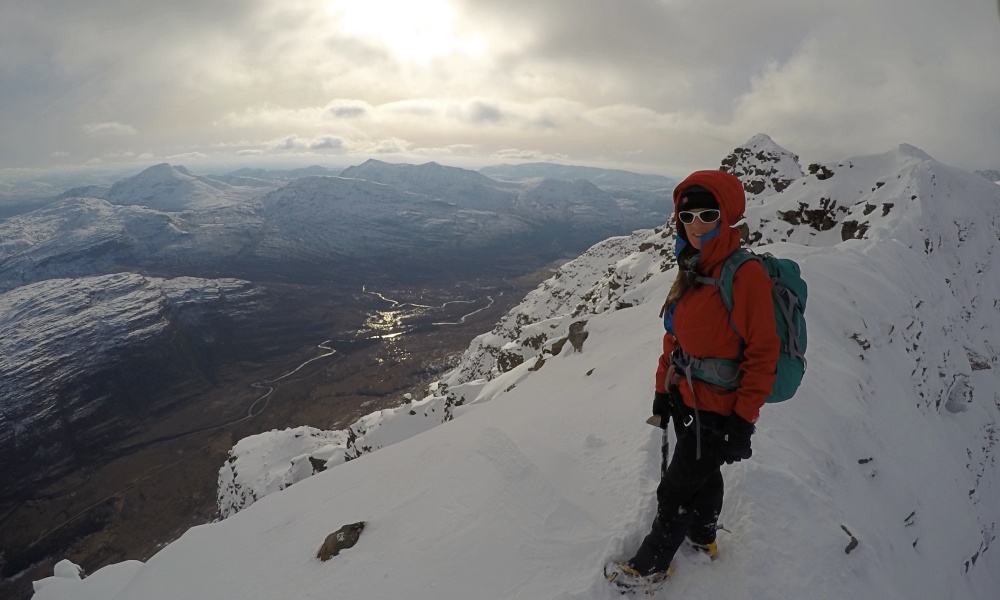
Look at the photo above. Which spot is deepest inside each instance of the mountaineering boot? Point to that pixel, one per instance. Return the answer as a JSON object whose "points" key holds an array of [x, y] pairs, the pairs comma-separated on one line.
{"points": [[630, 581], [711, 549]]}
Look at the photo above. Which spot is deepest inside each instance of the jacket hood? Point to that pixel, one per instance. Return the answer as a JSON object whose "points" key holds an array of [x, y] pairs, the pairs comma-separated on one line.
{"points": [[728, 191]]}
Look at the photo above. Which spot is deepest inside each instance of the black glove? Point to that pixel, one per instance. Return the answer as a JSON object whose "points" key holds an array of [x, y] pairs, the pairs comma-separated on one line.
{"points": [[661, 408], [736, 440]]}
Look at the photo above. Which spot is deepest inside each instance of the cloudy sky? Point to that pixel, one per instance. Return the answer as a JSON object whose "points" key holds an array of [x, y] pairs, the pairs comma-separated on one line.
{"points": [[650, 85]]}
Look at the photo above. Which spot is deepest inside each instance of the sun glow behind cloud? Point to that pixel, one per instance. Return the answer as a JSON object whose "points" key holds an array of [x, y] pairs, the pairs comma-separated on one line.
{"points": [[411, 31], [669, 85]]}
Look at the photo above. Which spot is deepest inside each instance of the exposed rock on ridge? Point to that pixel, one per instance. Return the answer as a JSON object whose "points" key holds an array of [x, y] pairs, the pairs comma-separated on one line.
{"points": [[764, 167]]}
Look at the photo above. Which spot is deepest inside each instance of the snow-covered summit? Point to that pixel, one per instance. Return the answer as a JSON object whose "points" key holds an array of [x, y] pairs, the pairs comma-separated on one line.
{"points": [[87, 236], [171, 189], [902, 193], [763, 166]]}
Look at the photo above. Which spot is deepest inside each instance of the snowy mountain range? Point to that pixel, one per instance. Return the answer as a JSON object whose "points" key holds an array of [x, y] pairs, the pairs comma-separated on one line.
{"points": [[527, 467], [578, 203], [98, 270], [167, 219]]}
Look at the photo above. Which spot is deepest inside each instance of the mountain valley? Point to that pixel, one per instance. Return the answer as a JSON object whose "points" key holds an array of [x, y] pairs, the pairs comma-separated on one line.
{"points": [[146, 322]]}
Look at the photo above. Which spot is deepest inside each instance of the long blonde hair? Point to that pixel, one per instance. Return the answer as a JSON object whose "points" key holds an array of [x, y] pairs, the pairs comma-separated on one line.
{"points": [[682, 283], [686, 263]]}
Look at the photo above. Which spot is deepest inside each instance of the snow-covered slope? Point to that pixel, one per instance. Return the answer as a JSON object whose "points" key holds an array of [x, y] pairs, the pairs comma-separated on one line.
{"points": [[297, 453], [79, 237], [66, 348], [878, 480]]}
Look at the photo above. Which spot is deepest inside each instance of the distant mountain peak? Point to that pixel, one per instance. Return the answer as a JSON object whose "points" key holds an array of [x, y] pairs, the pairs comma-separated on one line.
{"points": [[913, 151], [763, 166], [169, 188], [158, 170], [762, 140]]}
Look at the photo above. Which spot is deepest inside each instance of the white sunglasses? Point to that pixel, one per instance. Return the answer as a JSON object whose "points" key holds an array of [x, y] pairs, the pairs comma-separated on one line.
{"points": [[710, 215]]}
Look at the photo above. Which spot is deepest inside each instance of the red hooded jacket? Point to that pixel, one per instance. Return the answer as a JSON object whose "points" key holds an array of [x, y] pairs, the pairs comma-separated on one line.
{"points": [[704, 328]]}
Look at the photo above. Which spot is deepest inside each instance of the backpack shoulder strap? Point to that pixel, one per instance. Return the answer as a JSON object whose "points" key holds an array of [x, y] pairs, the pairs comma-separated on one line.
{"points": [[725, 280]]}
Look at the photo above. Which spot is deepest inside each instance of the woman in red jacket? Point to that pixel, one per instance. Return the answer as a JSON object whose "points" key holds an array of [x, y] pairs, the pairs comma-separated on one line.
{"points": [[713, 424]]}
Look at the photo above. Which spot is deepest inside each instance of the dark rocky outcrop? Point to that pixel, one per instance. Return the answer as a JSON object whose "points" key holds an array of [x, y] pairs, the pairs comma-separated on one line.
{"points": [[342, 539]]}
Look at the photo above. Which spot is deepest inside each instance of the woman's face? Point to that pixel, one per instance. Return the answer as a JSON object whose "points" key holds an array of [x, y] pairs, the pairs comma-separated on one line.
{"points": [[697, 228]]}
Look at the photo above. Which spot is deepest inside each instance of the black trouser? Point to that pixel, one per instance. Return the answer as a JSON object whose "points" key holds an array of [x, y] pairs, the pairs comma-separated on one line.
{"points": [[689, 497]]}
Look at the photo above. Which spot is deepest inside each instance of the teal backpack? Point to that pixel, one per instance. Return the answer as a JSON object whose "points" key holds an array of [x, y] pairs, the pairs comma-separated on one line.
{"points": [[789, 293]]}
